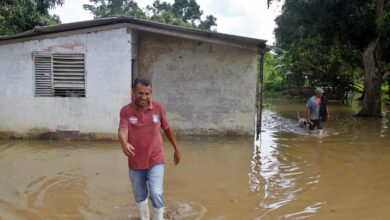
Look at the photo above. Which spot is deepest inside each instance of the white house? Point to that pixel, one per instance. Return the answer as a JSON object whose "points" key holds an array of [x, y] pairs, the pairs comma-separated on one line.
{"points": [[72, 79]]}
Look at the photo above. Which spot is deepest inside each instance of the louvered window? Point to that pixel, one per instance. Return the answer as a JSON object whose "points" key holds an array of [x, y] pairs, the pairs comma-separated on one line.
{"points": [[60, 75]]}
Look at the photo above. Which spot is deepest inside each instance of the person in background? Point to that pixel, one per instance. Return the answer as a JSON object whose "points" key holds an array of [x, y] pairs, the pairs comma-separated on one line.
{"points": [[317, 110], [141, 140]]}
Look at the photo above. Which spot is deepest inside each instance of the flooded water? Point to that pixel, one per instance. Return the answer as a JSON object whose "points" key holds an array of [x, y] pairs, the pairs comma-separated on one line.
{"points": [[291, 173]]}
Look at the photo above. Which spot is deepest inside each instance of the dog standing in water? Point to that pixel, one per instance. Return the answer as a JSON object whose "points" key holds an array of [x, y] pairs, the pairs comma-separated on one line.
{"points": [[303, 123]]}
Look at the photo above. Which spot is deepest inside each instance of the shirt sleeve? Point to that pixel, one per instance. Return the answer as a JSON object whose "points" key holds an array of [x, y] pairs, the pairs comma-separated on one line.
{"points": [[164, 120], [309, 104], [123, 121]]}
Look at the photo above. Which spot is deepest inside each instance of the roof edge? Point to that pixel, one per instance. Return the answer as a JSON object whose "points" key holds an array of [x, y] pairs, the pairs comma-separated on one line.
{"points": [[37, 31]]}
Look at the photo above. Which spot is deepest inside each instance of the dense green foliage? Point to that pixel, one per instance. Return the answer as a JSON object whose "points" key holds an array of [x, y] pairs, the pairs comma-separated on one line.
{"points": [[274, 76], [184, 13], [384, 36], [322, 41], [22, 15], [104, 8]]}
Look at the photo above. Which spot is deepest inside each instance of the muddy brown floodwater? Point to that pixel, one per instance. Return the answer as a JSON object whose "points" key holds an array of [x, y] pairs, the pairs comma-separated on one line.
{"points": [[291, 173]]}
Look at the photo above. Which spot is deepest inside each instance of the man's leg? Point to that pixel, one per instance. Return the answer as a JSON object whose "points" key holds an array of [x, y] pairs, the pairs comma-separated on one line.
{"points": [[139, 184], [156, 182], [313, 124], [320, 124]]}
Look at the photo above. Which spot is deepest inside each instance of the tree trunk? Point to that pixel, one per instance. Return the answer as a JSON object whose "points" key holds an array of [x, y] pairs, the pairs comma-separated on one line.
{"points": [[371, 105]]}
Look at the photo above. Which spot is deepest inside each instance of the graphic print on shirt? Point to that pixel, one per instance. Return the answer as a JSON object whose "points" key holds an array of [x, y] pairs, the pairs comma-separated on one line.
{"points": [[133, 120], [155, 118]]}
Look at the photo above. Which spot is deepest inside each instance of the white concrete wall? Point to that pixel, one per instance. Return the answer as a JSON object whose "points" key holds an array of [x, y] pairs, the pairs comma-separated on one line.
{"points": [[108, 84], [207, 88]]}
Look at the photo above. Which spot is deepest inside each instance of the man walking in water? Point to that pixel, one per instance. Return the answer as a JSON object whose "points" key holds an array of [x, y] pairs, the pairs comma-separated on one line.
{"points": [[317, 110], [141, 140]]}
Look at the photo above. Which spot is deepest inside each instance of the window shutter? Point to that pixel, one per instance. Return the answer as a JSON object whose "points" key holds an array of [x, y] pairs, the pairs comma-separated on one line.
{"points": [[43, 75], [69, 75]]}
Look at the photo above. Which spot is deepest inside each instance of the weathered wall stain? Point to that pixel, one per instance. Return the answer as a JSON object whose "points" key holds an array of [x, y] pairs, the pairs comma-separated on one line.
{"points": [[69, 46], [46, 134], [207, 88], [108, 77]]}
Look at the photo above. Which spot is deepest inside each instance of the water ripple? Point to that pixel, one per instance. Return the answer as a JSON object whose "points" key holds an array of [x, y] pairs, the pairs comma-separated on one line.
{"points": [[280, 166]]}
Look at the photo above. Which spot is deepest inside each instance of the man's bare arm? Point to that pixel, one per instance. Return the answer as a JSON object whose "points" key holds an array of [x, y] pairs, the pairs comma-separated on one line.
{"points": [[127, 148], [308, 115], [171, 137]]}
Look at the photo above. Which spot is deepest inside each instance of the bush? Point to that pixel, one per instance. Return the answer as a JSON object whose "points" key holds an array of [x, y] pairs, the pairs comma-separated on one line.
{"points": [[274, 86]]}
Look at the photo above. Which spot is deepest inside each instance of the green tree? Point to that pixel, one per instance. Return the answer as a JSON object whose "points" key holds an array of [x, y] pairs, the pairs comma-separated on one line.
{"points": [[188, 10], [184, 13], [208, 23], [328, 35], [22, 15], [111, 8], [274, 73]]}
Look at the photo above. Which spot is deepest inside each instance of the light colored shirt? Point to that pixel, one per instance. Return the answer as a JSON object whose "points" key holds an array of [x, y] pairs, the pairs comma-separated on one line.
{"points": [[314, 108], [144, 133]]}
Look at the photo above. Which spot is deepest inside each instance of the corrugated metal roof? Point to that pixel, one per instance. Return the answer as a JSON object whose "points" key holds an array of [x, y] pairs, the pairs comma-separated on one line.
{"points": [[234, 39]]}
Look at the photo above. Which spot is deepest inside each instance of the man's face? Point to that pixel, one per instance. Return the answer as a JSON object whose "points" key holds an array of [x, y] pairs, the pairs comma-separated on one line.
{"points": [[142, 95], [319, 95]]}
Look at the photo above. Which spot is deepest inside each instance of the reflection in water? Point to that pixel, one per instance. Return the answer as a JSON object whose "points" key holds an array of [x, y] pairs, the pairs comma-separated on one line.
{"points": [[292, 167], [293, 174], [256, 181], [385, 125], [58, 196], [279, 173], [37, 188]]}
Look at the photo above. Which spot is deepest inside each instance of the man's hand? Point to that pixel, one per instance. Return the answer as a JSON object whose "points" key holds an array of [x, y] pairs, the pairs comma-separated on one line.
{"points": [[128, 149], [176, 157], [172, 139]]}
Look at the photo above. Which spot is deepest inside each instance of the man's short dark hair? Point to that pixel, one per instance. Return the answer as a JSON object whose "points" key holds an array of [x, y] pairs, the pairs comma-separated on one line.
{"points": [[141, 80]]}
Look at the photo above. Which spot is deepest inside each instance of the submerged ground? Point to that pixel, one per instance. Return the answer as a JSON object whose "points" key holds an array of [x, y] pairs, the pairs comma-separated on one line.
{"points": [[289, 174]]}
